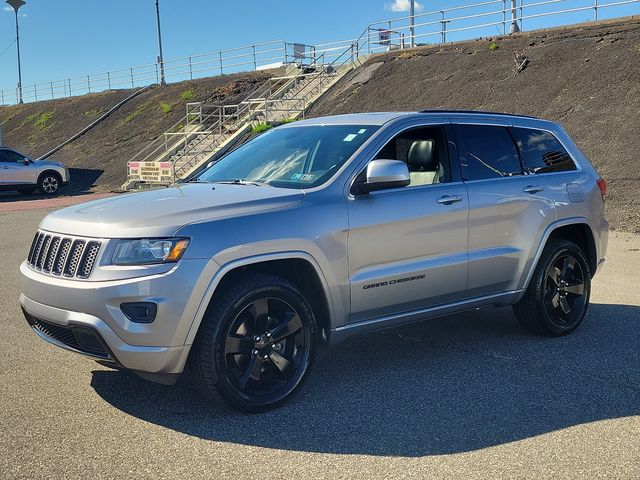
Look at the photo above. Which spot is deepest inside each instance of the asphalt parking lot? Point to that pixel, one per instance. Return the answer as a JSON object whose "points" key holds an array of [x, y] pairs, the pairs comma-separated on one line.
{"points": [[470, 396]]}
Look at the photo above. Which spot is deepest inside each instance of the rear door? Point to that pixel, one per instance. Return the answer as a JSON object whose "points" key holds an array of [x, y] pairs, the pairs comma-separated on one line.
{"points": [[408, 246], [508, 208]]}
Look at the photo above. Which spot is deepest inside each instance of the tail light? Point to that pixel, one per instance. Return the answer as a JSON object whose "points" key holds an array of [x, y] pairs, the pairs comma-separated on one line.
{"points": [[602, 185]]}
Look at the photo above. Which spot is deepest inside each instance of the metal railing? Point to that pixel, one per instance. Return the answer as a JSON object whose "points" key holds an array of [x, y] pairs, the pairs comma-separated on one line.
{"points": [[480, 19]]}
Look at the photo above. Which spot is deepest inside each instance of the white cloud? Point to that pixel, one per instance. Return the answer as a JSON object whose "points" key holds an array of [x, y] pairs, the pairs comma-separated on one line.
{"points": [[7, 9], [403, 6]]}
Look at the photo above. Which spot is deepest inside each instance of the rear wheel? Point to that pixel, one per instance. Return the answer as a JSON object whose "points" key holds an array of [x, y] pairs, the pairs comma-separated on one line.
{"points": [[557, 298], [256, 344], [49, 183]]}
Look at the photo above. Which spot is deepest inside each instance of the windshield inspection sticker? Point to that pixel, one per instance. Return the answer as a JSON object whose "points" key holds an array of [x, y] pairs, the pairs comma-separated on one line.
{"points": [[303, 177], [362, 130], [350, 137]]}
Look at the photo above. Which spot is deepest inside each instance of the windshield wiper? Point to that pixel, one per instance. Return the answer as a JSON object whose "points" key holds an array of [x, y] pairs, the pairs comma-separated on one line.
{"points": [[196, 180], [238, 181]]}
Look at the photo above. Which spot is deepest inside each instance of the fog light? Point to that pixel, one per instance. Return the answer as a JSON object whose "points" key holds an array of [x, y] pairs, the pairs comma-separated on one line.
{"points": [[140, 312]]}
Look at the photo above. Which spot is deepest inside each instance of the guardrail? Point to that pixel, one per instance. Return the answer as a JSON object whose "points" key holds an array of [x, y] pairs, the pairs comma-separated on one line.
{"points": [[486, 18]]}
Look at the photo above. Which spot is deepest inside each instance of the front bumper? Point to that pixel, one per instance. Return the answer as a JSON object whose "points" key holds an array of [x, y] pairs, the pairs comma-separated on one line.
{"points": [[85, 316]]}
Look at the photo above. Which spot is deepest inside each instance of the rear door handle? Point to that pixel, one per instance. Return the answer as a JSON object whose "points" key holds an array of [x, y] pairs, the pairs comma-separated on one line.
{"points": [[449, 199], [533, 189]]}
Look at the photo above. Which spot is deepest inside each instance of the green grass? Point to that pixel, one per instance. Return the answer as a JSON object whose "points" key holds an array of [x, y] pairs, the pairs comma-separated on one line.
{"points": [[132, 115], [261, 127], [94, 112], [40, 121], [166, 107], [288, 120], [493, 47], [187, 95]]}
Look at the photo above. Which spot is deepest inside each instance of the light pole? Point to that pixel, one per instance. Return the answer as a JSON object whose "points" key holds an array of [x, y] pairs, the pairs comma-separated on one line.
{"points": [[412, 12], [160, 59], [16, 4]]}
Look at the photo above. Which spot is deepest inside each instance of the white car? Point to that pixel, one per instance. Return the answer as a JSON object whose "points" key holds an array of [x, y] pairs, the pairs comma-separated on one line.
{"points": [[21, 173]]}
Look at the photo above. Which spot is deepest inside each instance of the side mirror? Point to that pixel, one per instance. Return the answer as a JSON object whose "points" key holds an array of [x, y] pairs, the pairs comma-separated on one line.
{"points": [[383, 174]]}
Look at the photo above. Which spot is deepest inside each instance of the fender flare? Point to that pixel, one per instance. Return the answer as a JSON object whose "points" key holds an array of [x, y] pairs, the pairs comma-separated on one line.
{"points": [[543, 243], [252, 260]]}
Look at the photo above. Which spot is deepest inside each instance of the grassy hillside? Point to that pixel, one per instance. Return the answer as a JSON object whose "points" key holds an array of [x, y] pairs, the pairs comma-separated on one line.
{"points": [[586, 77], [100, 156]]}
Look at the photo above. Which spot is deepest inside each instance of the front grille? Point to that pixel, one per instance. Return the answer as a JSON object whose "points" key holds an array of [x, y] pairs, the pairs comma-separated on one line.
{"points": [[82, 339], [63, 256]]}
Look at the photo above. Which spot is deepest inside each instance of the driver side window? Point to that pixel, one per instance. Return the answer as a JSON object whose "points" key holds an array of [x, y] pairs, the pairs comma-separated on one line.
{"points": [[425, 152], [9, 156]]}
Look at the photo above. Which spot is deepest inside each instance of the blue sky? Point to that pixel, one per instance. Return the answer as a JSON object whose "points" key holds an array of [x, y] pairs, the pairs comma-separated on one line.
{"points": [[74, 37]]}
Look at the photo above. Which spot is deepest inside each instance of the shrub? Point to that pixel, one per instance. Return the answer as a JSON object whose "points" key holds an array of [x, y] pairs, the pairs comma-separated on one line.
{"points": [[187, 95], [261, 127], [166, 107], [493, 47]]}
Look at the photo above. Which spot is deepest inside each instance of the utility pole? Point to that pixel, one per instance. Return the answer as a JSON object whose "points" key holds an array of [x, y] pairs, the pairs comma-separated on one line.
{"points": [[514, 18], [16, 4], [412, 20], [160, 57]]}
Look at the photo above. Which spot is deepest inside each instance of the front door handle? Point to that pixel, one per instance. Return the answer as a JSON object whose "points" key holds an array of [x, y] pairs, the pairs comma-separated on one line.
{"points": [[449, 199], [533, 189]]}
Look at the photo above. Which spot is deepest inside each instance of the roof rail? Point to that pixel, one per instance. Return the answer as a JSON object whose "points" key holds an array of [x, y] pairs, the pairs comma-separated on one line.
{"points": [[480, 112]]}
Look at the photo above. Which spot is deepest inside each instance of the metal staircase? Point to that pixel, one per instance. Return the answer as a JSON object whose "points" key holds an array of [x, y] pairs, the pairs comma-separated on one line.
{"points": [[207, 131]]}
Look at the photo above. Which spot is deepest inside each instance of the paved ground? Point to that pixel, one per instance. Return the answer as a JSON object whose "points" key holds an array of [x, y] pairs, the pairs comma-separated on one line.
{"points": [[471, 396], [15, 202]]}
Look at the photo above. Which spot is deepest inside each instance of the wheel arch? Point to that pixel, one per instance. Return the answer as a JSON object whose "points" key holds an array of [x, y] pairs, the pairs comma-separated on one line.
{"points": [[298, 267], [49, 171], [577, 230]]}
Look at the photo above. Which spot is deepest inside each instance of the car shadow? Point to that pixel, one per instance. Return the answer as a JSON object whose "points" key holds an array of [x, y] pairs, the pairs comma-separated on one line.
{"points": [[82, 182], [448, 385]]}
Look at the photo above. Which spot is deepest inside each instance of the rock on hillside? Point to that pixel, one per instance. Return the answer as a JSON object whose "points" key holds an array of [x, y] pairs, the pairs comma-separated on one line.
{"points": [[587, 77]]}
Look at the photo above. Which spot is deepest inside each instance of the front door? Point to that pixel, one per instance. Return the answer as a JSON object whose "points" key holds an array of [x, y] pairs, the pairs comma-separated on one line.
{"points": [[13, 169], [408, 245]]}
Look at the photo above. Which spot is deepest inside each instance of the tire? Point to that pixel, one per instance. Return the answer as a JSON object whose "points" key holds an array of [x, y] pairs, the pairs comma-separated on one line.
{"points": [[256, 344], [27, 191], [49, 183], [557, 297]]}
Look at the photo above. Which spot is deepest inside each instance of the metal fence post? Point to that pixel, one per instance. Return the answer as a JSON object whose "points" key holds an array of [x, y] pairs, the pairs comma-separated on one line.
{"points": [[89, 83], [109, 80], [190, 69], [255, 64], [2, 93], [443, 31], [51, 90], [504, 17], [521, 15], [131, 77], [69, 80], [595, 6], [221, 70]]}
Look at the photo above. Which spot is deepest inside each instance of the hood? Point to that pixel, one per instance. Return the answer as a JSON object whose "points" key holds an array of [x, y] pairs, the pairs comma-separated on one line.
{"points": [[48, 162], [160, 213]]}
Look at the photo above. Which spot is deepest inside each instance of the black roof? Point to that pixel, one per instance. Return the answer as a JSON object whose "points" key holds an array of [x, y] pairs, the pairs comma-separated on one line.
{"points": [[476, 111]]}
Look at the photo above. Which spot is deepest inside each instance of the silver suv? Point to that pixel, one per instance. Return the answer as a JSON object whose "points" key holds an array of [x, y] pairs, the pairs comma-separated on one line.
{"points": [[316, 231], [21, 173]]}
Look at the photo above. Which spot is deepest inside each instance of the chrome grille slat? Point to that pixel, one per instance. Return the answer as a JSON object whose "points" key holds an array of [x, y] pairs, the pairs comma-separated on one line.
{"points": [[43, 251], [59, 255]]}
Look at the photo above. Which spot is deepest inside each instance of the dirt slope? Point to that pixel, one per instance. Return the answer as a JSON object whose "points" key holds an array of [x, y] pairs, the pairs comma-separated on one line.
{"points": [[587, 77], [100, 156]]}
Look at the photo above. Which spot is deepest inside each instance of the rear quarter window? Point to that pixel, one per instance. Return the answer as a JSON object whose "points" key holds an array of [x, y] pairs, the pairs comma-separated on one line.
{"points": [[488, 152], [541, 151]]}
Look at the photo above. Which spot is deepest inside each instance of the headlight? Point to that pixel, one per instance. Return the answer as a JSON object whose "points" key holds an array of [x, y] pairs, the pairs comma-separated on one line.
{"points": [[147, 251]]}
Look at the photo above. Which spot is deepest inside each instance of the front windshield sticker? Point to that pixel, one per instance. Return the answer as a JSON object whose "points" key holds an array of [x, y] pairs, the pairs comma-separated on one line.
{"points": [[350, 137], [303, 177], [362, 130]]}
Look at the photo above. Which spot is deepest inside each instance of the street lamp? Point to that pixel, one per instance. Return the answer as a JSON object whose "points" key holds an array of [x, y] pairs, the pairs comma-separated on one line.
{"points": [[16, 4], [160, 59]]}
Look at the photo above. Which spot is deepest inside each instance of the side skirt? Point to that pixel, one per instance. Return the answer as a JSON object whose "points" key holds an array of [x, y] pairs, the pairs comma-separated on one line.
{"points": [[501, 299]]}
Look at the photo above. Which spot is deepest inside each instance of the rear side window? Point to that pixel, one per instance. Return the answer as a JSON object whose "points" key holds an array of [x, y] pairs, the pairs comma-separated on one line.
{"points": [[488, 152], [541, 151]]}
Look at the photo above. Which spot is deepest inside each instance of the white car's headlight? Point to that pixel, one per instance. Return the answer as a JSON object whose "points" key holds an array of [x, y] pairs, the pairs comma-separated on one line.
{"points": [[146, 251]]}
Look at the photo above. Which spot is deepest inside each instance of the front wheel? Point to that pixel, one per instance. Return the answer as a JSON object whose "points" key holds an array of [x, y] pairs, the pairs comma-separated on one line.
{"points": [[49, 183], [256, 344], [557, 298]]}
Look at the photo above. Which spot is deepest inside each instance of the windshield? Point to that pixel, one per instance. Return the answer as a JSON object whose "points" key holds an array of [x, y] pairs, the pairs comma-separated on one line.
{"points": [[297, 157]]}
